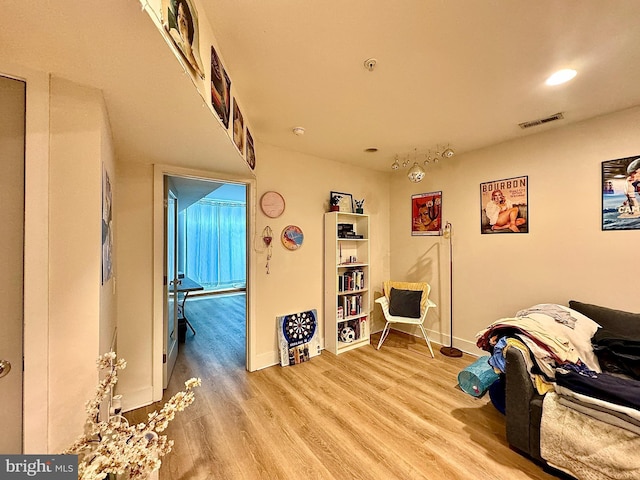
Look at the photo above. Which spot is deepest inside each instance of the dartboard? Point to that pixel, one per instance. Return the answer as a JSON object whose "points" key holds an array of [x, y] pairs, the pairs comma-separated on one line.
{"points": [[299, 327]]}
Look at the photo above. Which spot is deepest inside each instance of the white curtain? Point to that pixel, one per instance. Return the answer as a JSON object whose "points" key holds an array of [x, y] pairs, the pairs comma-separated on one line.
{"points": [[215, 244]]}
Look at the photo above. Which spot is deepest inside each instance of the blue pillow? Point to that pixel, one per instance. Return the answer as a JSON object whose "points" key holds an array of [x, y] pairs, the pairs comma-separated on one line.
{"points": [[405, 303]]}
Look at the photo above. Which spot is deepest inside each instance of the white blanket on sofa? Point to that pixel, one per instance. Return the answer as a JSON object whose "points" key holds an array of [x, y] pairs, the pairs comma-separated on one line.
{"points": [[585, 447]]}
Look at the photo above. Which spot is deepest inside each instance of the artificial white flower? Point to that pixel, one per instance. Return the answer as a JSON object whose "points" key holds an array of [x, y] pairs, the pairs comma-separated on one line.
{"points": [[114, 446]]}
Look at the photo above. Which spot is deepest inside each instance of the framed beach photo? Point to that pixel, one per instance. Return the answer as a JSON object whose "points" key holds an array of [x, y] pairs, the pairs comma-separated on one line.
{"points": [[621, 194], [504, 206], [344, 201], [426, 214]]}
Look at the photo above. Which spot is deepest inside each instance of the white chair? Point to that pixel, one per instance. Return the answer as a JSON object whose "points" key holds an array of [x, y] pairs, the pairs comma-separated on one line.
{"points": [[425, 305]]}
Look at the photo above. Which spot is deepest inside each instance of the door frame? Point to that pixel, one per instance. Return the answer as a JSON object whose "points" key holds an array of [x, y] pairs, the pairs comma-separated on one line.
{"points": [[159, 171], [35, 422]]}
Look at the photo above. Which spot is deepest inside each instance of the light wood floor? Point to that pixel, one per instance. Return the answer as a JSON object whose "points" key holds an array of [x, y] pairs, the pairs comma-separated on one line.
{"points": [[395, 413]]}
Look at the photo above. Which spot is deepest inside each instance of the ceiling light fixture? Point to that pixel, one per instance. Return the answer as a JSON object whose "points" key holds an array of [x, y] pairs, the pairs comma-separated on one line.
{"points": [[298, 131], [371, 150], [561, 76], [416, 173]]}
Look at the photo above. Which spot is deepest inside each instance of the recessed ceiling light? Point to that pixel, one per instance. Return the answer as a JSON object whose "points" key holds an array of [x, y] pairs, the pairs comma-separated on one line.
{"points": [[371, 150], [561, 76]]}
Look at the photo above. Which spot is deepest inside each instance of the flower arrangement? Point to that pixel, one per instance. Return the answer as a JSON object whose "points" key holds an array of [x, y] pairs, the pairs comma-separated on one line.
{"points": [[359, 204], [115, 447]]}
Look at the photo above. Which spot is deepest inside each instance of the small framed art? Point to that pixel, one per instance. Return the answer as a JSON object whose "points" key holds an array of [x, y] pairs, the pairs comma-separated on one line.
{"points": [[343, 200], [426, 214]]}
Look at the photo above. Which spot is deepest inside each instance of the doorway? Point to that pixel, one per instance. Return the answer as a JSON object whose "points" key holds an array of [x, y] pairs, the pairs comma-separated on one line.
{"points": [[12, 186], [206, 258]]}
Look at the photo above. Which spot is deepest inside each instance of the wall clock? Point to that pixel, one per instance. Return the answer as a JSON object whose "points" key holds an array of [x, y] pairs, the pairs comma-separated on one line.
{"points": [[272, 204], [292, 237]]}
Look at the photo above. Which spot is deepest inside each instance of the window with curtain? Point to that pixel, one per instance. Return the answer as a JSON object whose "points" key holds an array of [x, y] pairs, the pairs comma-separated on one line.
{"points": [[215, 249]]}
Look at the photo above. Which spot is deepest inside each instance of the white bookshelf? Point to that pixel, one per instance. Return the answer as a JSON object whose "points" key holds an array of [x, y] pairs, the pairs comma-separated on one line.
{"points": [[346, 280]]}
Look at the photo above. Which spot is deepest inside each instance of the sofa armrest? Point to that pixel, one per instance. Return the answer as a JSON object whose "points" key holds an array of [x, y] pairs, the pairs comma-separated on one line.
{"points": [[523, 407]]}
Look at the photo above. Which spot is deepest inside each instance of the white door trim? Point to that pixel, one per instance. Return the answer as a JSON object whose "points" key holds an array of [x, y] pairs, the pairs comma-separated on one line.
{"points": [[158, 260], [36, 258]]}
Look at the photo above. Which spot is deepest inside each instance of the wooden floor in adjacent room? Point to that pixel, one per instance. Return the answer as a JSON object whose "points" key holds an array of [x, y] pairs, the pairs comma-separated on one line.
{"points": [[393, 413]]}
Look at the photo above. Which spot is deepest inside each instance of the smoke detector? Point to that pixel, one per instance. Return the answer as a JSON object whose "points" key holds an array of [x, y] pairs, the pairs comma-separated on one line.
{"points": [[370, 64]]}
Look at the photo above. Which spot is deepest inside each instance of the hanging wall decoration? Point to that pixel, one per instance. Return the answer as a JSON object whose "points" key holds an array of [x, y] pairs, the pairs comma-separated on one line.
{"points": [[426, 214], [292, 237], [107, 227], [238, 127], [504, 206], [180, 20], [220, 89], [621, 194], [267, 238], [272, 204], [251, 153]]}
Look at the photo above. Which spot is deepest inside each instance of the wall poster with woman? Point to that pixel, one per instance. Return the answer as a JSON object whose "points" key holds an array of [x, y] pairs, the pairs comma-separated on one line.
{"points": [[426, 214], [504, 206], [180, 19]]}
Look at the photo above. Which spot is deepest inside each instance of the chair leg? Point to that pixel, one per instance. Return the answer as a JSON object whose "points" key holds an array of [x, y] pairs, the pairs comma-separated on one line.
{"points": [[426, 337], [385, 332]]}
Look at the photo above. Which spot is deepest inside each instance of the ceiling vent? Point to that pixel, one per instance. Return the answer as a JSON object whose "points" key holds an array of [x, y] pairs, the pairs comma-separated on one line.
{"points": [[542, 121]]}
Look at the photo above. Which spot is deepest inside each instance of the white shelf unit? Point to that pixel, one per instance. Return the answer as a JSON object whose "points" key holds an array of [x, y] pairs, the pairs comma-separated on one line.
{"points": [[346, 258]]}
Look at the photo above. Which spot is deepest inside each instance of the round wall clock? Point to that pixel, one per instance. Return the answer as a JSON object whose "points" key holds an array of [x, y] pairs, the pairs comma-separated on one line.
{"points": [[292, 237], [272, 204]]}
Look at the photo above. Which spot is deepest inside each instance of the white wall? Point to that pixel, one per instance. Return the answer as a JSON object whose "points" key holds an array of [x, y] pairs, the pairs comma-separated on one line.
{"points": [[79, 140], [296, 279], [565, 256]]}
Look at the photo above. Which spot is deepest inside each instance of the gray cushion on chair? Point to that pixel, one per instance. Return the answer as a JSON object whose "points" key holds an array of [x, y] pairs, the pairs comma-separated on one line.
{"points": [[405, 303]]}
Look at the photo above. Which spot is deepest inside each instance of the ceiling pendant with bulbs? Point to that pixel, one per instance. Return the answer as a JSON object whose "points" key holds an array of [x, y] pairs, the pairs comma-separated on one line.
{"points": [[416, 172]]}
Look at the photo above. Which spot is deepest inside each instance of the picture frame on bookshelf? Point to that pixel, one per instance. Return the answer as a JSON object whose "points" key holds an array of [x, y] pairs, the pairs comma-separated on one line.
{"points": [[345, 201]]}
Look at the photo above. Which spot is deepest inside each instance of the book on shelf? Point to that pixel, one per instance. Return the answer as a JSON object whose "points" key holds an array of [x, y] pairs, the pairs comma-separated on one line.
{"points": [[351, 280]]}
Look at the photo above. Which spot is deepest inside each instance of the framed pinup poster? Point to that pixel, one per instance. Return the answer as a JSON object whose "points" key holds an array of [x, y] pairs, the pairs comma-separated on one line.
{"points": [[504, 206], [220, 89], [426, 214], [621, 194], [180, 19]]}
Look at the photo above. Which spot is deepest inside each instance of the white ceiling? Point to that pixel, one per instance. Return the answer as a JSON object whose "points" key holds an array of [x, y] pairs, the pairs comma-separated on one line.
{"points": [[456, 72]]}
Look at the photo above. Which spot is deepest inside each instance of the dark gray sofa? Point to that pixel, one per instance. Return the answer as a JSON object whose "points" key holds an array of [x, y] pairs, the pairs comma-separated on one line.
{"points": [[524, 405]]}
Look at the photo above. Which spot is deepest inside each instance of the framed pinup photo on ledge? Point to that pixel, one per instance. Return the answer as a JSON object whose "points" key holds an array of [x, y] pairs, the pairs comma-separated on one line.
{"points": [[426, 214]]}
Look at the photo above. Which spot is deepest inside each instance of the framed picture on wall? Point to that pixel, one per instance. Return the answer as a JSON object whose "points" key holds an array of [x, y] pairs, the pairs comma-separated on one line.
{"points": [[621, 194], [251, 153], [426, 213], [220, 89], [238, 127], [107, 227], [504, 206], [180, 20]]}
